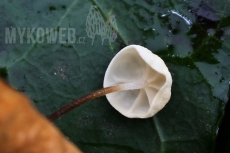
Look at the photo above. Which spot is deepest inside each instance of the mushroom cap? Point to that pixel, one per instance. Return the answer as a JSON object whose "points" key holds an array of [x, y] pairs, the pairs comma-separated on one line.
{"points": [[135, 64]]}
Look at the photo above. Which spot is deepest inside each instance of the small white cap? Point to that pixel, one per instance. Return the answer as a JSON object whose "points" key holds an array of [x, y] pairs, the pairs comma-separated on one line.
{"points": [[136, 64]]}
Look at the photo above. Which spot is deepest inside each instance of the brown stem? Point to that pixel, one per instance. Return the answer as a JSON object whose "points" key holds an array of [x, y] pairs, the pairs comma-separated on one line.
{"points": [[82, 100]]}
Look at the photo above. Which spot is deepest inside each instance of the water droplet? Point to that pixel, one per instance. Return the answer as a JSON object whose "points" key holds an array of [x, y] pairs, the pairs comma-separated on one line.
{"points": [[55, 73], [36, 100], [189, 22], [222, 79], [210, 32], [217, 130], [163, 15], [193, 36]]}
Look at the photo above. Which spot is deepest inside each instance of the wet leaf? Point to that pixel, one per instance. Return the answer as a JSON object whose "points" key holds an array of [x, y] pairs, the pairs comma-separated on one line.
{"points": [[192, 37]]}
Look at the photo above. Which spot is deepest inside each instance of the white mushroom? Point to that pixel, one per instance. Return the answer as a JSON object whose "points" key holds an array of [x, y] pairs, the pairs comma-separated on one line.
{"points": [[137, 83], [144, 79]]}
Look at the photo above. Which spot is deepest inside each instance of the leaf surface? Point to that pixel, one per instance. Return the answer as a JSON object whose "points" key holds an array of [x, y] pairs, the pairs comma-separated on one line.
{"points": [[192, 37]]}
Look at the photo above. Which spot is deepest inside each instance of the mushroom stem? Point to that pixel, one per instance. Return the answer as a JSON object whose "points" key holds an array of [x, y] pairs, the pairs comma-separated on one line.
{"points": [[133, 85], [93, 95]]}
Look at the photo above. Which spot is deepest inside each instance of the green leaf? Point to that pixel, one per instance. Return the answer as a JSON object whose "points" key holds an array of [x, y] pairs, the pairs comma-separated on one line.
{"points": [[192, 37]]}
